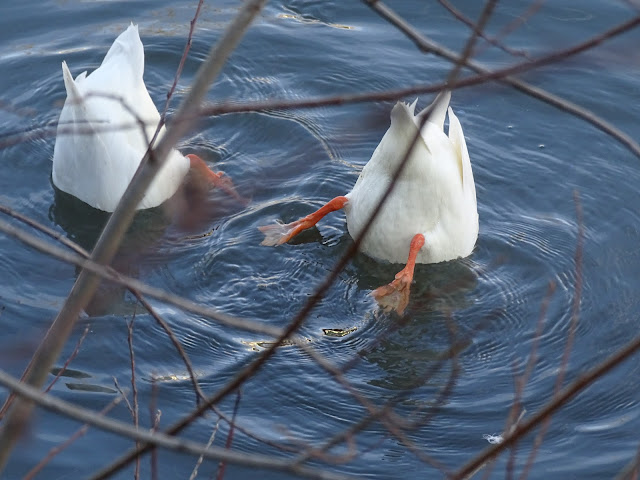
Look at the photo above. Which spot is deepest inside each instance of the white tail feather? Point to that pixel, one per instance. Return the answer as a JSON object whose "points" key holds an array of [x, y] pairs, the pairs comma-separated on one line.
{"points": [[71, 87], [438, 109]]}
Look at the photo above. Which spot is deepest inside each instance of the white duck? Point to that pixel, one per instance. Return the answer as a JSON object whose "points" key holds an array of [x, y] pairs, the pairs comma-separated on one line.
{"points": [[99, 142], [431, 215]]}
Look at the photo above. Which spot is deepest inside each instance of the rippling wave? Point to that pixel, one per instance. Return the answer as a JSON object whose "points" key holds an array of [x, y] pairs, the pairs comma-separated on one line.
{"points": [[530, 161]]}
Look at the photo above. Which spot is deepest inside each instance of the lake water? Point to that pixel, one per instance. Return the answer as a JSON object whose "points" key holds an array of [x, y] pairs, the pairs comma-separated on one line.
{"points": [[528, 158]]}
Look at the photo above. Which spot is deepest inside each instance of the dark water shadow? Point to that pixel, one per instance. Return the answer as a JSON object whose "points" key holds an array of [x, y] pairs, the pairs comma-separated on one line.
{"points": [[192, 210]]}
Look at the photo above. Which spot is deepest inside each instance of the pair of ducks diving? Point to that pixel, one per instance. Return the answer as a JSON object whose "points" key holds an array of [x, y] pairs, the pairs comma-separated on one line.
{"points": [[430, 216]]}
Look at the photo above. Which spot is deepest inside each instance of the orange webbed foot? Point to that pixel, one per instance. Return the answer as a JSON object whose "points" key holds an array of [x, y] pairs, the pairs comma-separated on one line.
{"points": [[395, 295], [217, 179], [280, 233], [225, 184]]}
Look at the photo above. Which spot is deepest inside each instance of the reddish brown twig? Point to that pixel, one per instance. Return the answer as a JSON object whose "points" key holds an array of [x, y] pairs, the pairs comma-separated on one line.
{"points": [[78, 433], [11, 397], [212, 437], [176, 78], [133, 386], [123, 394], [222, 466], [185, 53], [573, 326], [522, 380], [471, 24], [154, 414], [531, 10], [69, 360], [176, 343]]}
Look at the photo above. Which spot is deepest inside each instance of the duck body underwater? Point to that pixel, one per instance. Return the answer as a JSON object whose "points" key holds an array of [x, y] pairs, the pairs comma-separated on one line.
{"points": [[431, 215], [104, 130]]}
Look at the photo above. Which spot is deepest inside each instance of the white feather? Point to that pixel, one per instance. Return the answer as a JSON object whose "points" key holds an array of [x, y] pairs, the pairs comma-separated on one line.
{"points": [[435, 195], [99, 142]]}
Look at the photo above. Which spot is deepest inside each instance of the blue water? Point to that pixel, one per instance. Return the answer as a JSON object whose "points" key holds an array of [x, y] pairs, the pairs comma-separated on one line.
{"points": [[528, 159]]}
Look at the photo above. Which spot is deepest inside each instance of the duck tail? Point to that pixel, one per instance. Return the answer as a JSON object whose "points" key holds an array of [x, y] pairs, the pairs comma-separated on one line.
{"points": [[402, 116], [437, 110], [128, 46], [456, 136], [73, 93]]}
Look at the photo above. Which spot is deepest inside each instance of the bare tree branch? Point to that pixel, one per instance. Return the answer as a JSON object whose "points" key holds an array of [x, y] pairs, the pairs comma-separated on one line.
{"points": [[557, 402], [69, 360], [396, 425], [134, 388], [79, 433], [109, 274], [471, 24], [573, 326], [222, 465], [160, 439], [187, 47], [429, 46], [87, 282]]}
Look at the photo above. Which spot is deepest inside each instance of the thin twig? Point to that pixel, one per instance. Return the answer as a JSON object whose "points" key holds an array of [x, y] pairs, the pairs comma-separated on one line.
{"points": [[176, 78], [109, 273], [124, 396], [194, 473], [109, 241], [154, 414], [69, 360], [471, 24], [159, 439], [467, 51], [522, 380], [532, 9], [44, 229], [185, 53], [78, 433], [176, 343], [222, 465], [573, 326], [134, 388], [429, 46]]}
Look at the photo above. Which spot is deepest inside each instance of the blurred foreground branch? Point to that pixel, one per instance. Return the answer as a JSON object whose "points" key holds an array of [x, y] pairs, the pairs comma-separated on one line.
{"points": [[118, 223], [558, 401], [394, 424], [159, 439], [428, 46]]}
